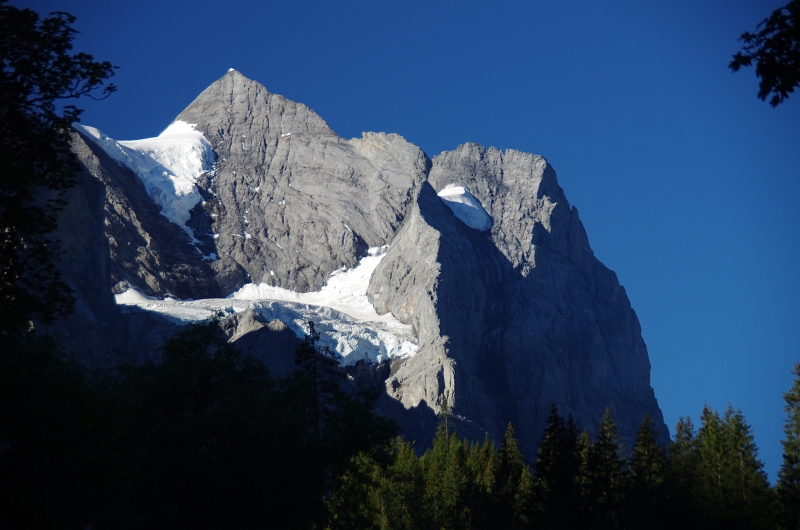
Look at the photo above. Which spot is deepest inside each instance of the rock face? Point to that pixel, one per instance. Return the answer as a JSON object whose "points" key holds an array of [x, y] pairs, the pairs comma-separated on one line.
{"points": [[511, 312], [514, 319], [290, 199]]}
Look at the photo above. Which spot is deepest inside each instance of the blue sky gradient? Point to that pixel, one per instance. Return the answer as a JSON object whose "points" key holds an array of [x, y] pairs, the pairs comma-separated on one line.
{"points": [[688, 185]]}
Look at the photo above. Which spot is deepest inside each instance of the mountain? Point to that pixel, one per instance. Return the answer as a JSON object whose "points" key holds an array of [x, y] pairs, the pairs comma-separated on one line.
{"points": [[466, 277]]}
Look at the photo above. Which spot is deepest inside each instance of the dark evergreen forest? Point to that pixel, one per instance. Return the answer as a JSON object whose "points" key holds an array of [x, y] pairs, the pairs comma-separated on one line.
{"points": [[207, 439]]}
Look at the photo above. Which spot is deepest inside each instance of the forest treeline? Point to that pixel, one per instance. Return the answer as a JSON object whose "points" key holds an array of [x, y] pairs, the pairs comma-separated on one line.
{"points": [[710, 478], [205, 438]]}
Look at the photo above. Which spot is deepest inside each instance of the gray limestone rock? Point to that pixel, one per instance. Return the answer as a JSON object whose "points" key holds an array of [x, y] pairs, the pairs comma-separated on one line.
{"points": [[507, 320], [290, 199], [516, 319], [273, 343], [146, 250]]}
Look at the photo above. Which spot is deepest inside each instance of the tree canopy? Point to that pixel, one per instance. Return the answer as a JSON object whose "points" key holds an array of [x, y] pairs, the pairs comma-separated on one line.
{"points": [[39, 72], [775, 48]]}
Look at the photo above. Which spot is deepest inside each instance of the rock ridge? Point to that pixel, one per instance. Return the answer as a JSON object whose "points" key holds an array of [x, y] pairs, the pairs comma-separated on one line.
{"points": [[508, 320]]}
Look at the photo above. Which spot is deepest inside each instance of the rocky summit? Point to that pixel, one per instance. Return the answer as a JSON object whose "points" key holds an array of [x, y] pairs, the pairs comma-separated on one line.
{"points": [[467, 277]]}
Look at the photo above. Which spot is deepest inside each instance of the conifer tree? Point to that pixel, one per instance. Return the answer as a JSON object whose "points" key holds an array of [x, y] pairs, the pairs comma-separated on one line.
{"points": [[733, 491], [444, 470], [403, 490], [380, 492], [788, 487], [557, 467], [514, 485], [482, 462], [583, 449], [753, 506], [646, 479], [712, 483], [682, 474], [606, 468], [319, 378], [356, 500]]}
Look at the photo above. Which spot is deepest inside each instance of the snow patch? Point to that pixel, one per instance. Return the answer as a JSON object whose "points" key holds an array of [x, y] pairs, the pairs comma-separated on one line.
{"points": [[466, 206], [347, 322], [168, 165], [345, 291]]}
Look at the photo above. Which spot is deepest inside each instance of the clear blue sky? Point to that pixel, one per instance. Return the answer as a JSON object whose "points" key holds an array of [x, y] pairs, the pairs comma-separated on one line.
{"points": [[688, 185]]}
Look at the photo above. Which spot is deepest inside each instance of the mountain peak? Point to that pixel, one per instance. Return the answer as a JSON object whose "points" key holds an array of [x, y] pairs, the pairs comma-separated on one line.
{"points": [[235, 101]]}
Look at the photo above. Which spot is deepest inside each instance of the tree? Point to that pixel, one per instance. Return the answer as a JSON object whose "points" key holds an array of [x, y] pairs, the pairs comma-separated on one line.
{"points": [[788, 487], [733, 491], [513, 485], [318, 374], [754, 499], [646, 478], [38, 73], [776, 50], [56, 439], [606, 468], [403, 490], [557, 467], [682, 474], [481, 469], [211, 441], [445, 473]]}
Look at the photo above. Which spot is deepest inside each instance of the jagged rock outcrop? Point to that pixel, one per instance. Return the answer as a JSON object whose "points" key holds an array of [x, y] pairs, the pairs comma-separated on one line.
{"points": [[290, 199], [146, 249], [517, 318], [509, 316]]}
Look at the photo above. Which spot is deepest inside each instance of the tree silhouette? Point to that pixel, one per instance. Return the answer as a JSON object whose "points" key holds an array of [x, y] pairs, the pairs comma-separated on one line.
{"points": [[776, 50], [788, 487], [38, 72]]}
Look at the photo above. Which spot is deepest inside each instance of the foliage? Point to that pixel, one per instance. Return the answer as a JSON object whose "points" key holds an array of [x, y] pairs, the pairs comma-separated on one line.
{"points": [[557, 467], [338, 416], [788, 487], [647, 479], [445, 472], [514, 485], [387, 495], [38, 71], [212, 441], [732, 488], [682, 472], [776, 50], [606, 470], [56, 439], [203, 439], [206, 439]]}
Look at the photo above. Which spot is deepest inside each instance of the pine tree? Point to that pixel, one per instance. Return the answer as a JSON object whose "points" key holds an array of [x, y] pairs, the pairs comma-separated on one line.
{"points": [[403, 491], [557, 467], [733, 491], [583, 449], [514, 485], [380, 493], [356, 498], [320, 378], [482, 462], [606, 467], [788, 487], [712, 471], [753, 503], [682, 475], [646, 479], [445, 473]]}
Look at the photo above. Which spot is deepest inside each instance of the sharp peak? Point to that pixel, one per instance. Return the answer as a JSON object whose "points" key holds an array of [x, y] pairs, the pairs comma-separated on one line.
{"points": [[239, 81], [233, 72]]}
